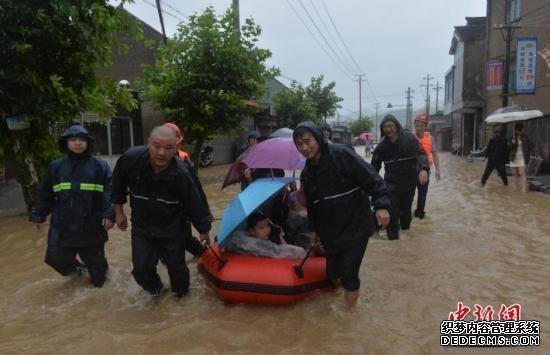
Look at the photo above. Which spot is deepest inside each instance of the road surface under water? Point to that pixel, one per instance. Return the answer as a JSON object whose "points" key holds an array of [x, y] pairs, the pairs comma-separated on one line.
{"points": [[489, 246]]}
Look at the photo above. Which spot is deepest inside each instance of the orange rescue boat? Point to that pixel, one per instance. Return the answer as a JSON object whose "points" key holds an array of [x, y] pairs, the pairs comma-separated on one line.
{"points": [[257, 280]]}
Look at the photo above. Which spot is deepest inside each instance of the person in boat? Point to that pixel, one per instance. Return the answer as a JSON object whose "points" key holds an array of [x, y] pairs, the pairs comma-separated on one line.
{"points": [[163, 197], [255, 241], [249, 175], [406, 165], [192, 244], [297, 224], [76, 190], [337, 184]]}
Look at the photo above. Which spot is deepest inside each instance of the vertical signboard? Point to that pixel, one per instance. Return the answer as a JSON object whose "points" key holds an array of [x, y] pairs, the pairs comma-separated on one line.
{"points": [[526, 65], [495, 78]]}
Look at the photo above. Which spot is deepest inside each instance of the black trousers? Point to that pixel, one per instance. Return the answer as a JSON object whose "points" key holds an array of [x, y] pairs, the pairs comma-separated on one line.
{"points": [[501, 169], [421, 196], [400, 210], [344, 264], [146, 253], [63, 260]]}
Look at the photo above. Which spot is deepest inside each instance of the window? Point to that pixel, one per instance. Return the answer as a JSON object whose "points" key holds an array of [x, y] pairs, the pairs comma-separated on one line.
{"points": [[513, 12], [449, 86]]}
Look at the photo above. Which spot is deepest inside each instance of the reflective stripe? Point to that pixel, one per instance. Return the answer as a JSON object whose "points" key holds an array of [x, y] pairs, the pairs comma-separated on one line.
{"points": [[140, 197], [399, 160], [338, 195], [61, 186], [168, 202], [91, 187]]}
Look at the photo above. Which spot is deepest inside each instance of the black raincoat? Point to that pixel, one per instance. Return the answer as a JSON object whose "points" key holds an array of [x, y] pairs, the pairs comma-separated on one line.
{"points": [[402, 160], [162, 204], [76, 190], [337, 190]]}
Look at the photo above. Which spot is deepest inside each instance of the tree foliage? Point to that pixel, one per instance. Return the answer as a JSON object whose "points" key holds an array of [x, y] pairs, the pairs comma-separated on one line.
{"points": [[204, 76], [363, 124], [314, 102], [49, 53]]}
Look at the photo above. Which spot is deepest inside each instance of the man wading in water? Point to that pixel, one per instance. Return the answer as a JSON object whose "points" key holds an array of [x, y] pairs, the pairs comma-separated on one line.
{"points": [[163, 197], [337, 184], [403, 158]]}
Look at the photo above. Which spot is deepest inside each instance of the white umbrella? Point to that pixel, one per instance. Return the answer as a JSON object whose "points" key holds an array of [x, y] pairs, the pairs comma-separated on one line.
{"points": [[511, 114]]}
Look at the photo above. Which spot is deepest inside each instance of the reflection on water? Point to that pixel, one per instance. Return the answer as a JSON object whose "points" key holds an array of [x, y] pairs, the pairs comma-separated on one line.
{"points": [[477, 245]]}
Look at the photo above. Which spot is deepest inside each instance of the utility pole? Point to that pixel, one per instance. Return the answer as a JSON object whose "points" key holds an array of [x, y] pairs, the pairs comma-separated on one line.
{"points": [[437, 88], [375, 128], [427, 78], [159, 9], [360, 80], [408, 123], [507, 32], [237, 16]]}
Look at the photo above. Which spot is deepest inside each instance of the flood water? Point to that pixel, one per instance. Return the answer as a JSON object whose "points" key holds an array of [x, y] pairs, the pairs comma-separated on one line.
{"points": [[489, 246]]}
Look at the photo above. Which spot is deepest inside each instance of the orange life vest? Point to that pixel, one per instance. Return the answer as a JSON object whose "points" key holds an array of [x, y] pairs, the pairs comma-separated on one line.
{"points": [[183, 154], [426, 142]]}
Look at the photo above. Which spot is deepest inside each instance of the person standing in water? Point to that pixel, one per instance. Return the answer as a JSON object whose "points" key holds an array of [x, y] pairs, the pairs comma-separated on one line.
{"points": [[337, 185]]}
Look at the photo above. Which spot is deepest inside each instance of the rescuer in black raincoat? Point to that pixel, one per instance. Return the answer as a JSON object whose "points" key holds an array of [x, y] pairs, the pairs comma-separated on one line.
{"points": [[76, 190], [497, 157], [405, 164], [163, 198], [337, 185]]}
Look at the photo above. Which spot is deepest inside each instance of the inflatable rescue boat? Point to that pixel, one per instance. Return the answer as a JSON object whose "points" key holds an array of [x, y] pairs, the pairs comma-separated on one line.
{"points": [[250, 279]]}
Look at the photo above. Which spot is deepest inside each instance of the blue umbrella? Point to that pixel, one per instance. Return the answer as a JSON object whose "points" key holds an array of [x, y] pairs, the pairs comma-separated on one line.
{"points": [[248, 201]]}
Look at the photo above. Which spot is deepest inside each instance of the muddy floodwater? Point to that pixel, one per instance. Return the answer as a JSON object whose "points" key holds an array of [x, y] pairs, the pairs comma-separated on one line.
{"points": [[489, 246]]}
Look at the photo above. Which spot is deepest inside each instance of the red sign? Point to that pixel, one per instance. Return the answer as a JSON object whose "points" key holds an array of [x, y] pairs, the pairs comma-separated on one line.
{"points": [[495, 78]]}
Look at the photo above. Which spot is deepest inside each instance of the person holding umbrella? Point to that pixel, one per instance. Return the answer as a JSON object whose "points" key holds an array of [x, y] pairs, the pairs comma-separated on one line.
{"points": [[337, 184], [520, 147]]}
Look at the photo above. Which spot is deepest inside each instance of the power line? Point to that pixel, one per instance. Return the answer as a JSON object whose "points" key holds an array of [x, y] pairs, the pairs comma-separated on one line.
{"points": [[174, 9], [534, 10], [314, 37], [323, 36], [339, 35], [163, 10], [329, 32], [347, 49]]}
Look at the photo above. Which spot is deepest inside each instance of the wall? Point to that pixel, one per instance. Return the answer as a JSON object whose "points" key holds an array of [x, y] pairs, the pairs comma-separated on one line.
{"points": [[532, 25]]}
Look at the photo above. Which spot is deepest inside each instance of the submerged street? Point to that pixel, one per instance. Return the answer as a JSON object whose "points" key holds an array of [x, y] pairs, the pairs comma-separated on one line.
{"points": [[486, 246]]}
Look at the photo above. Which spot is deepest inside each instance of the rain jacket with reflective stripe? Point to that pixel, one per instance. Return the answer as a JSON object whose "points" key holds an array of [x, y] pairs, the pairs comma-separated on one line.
{"points": [[403, 159], [161, 203], [76, 190], [337, 190]]}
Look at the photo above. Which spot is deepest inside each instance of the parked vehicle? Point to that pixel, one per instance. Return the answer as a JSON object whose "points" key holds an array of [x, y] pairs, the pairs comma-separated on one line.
{"points": [[207, 155]]}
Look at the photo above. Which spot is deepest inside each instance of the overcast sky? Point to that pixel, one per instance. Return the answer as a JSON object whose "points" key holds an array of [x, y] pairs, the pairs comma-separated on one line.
{"points": [[394, 42]]}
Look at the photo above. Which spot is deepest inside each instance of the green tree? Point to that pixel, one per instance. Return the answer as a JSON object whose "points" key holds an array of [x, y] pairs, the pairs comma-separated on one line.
{"points": [[314, 102], [206, 73], [49, 53], [363, 124], [294, 105], [324, 97]]}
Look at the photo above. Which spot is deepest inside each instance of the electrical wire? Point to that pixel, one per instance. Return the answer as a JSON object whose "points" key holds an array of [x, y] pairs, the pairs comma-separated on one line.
{"points": [[314, 37], [163, 11], [323, 37], [347, 49]]}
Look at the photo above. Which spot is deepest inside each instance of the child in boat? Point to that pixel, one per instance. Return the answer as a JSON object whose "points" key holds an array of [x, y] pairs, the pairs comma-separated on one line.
{"points": [[255, 241]]}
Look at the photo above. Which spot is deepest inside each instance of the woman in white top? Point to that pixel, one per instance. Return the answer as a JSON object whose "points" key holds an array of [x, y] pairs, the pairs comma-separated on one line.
{"points": [[520, 151]]}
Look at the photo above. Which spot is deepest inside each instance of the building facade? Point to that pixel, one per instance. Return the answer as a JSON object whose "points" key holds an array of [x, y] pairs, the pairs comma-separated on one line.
{"points": [[529, 73], [463, 104]]}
